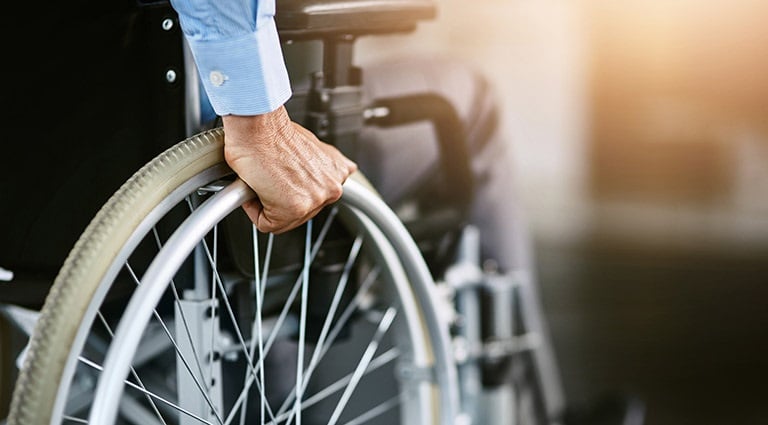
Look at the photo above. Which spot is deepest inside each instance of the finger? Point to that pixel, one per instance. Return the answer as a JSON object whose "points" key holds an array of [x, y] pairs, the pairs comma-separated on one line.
{"points": [[351, 165], [347, 166], [253, 209], [344, 162], [265, 224]]}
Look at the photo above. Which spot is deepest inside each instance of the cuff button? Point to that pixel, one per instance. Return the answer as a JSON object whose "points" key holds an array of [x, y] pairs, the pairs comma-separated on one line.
{"points": [[217, 78]]}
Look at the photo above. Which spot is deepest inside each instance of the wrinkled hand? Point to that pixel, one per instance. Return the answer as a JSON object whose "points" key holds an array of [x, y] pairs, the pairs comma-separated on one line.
{"points": [[293, 173]]}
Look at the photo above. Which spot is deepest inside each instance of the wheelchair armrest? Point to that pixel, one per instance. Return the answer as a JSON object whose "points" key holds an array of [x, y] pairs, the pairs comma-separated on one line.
{"points": [[316, 18]]}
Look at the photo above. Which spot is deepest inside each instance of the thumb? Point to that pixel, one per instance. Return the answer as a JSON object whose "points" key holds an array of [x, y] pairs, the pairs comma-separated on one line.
{"points": [[259, 218], [253, 209]]}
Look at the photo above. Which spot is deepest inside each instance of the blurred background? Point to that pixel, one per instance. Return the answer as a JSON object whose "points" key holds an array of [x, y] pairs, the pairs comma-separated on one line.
{"points": [[640, 130]]}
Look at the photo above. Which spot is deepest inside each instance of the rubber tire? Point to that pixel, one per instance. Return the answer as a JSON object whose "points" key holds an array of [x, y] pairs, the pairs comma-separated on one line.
{"points": [[70, 296]]}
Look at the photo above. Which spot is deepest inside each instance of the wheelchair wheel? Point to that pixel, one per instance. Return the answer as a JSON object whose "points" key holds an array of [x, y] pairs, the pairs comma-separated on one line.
{"points": [[172, 309], [6, 366]]}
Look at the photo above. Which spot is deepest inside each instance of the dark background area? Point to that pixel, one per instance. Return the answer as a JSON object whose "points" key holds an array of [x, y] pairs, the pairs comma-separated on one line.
{"points": [[683, 330]]}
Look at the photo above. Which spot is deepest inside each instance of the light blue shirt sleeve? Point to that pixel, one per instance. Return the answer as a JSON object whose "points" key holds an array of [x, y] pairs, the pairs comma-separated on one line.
{"points": [[237, 52]]}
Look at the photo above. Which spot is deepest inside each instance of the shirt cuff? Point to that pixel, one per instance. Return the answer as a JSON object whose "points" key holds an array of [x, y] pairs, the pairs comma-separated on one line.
{"points": [[246, 75]]}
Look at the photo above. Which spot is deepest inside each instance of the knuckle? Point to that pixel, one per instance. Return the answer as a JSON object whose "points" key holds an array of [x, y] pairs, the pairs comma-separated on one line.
{"points": [[302, 206], [335, 191]]}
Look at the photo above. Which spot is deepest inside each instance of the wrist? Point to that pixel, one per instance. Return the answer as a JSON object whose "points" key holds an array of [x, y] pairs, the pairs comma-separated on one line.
{"points": [[257, 128]]}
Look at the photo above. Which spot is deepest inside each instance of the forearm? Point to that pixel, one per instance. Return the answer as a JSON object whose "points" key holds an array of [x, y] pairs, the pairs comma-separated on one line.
{"points": [[238, 53]]}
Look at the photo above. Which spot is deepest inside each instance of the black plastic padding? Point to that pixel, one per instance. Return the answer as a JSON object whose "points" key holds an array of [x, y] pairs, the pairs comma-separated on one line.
{"points": [[312, 18], [454, 155]]}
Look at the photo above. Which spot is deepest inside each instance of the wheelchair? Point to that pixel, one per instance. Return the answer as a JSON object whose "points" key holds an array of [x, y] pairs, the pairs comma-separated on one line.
{"points": [[172, 309]]}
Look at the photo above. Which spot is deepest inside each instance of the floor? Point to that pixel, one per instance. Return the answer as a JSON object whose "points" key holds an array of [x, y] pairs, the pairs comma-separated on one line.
{"points": [[685, 331]]}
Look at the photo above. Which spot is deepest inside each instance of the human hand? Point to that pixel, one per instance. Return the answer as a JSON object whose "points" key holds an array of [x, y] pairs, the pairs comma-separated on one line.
{"points": [[293, 173]]}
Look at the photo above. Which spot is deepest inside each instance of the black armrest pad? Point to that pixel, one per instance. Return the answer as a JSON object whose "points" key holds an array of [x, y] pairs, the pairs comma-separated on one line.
{"points": [[298, 17]]}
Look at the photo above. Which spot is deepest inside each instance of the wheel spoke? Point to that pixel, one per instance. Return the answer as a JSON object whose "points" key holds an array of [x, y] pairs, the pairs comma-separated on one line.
{"points": [[376, 411], [213, 298], [382, 360], [135, 413], [130, 384], [303, 323], [354, 251], [259, 283], [321, 350], [243, 347], [181, 356], [177, 300], [267, 260], [384, 324], [133, 370], [284, 313]]}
